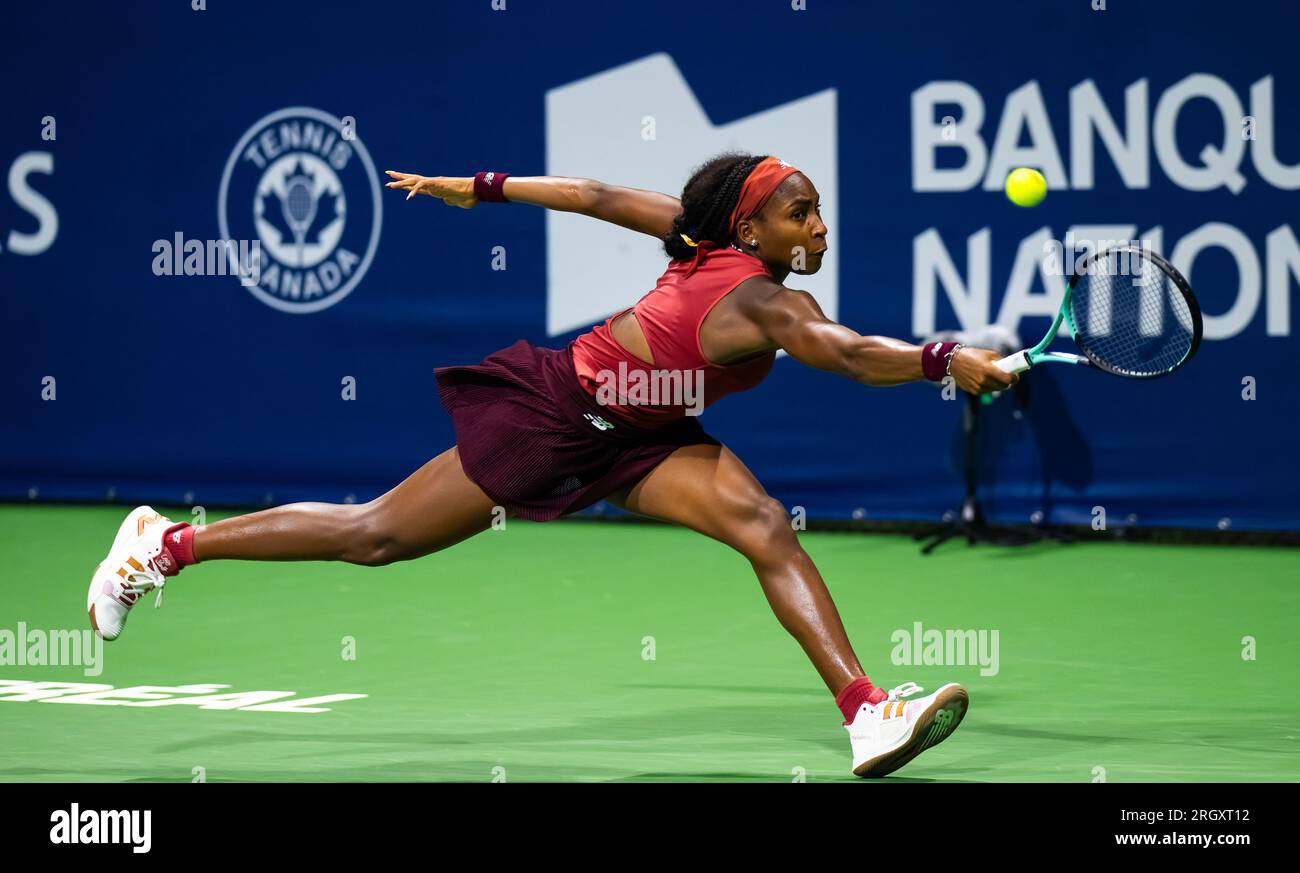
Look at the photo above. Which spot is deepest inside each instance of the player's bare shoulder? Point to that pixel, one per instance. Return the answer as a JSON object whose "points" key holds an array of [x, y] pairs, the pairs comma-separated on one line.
{"points": [[732, 330], [756, 289], [764, 301]]}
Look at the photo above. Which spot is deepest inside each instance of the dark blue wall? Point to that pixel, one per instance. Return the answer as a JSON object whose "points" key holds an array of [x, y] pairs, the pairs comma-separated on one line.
{"points": [[190, 389]]}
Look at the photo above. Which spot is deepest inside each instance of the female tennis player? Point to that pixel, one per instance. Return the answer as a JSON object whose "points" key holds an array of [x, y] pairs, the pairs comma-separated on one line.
{"points": [[542, 433]]}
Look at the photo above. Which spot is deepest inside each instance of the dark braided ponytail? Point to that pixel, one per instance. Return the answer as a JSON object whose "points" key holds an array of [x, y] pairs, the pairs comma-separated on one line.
{"points": [[707, 201]]}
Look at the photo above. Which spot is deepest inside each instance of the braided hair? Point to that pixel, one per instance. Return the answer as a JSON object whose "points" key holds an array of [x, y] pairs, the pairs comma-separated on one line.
{"points": [[707, 201]]}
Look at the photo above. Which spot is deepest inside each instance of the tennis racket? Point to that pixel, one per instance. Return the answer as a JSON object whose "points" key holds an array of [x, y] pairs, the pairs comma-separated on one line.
{"points": [[1130, 313]]}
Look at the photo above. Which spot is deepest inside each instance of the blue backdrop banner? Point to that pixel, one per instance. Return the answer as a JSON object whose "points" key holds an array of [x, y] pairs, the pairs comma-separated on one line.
{"points": [[138, 363]]}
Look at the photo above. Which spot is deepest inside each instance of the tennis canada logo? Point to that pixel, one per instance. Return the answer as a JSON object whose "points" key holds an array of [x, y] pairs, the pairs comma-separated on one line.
{"points": [[302, 183]]}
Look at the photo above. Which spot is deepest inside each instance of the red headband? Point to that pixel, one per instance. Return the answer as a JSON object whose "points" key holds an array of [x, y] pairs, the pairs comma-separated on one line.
{"points": [[758, 187]]}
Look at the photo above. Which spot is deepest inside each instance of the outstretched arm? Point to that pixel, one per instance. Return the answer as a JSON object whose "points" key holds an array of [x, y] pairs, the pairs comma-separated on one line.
{"points": [[634, 208], [793, 320]]}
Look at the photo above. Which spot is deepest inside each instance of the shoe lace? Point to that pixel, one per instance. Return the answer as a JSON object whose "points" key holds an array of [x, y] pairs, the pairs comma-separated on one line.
{"points": [[147, 580], [907, 689]]}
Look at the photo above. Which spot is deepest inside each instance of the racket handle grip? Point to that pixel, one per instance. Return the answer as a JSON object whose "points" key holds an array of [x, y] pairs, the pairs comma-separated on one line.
{"points": [[1017, 363]]}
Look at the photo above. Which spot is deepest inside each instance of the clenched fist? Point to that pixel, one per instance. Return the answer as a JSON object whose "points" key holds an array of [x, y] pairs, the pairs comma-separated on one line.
{"points": [[976, 372]]}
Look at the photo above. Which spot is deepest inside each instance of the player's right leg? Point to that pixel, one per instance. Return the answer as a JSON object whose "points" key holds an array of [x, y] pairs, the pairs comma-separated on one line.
{"points": [[433, 508], [708, 489]]}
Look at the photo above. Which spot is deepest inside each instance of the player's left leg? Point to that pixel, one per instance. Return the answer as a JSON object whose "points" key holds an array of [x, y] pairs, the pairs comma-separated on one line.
{"points": [[435, 507]]}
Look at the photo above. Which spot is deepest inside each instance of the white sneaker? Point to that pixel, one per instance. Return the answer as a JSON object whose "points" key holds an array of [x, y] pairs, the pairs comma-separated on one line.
{"points": [[891, 733], [134, 567]]}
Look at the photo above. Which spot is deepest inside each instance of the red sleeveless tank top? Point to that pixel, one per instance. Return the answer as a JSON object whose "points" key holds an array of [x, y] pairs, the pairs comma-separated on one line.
{"points": [[681, 381]]}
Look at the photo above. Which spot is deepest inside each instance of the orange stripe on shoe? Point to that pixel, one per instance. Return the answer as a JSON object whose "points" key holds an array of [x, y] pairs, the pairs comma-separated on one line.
{"points": [[134, 563]]}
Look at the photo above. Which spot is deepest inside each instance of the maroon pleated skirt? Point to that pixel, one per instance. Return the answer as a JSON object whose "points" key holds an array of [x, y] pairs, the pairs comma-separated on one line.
{"points": [[537, 443]]}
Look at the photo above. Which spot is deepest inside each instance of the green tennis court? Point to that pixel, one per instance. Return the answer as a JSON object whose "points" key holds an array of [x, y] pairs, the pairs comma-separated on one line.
{"points": [[596, 651]]}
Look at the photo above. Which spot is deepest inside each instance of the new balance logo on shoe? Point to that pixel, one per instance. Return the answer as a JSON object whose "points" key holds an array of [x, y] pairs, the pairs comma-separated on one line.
{"points": [[128, 596]]}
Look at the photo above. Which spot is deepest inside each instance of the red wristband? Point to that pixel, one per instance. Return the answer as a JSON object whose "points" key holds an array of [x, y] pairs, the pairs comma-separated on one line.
{"points": [[489, 186], [934, 360]]}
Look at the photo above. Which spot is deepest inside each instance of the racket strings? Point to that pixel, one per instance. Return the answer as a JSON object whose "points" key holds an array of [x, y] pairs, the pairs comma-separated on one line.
{"points": [[1129, 317]]}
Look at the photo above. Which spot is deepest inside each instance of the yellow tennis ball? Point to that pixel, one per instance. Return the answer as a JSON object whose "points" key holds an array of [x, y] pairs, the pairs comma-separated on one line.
{"points": [[1026, 187]]}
